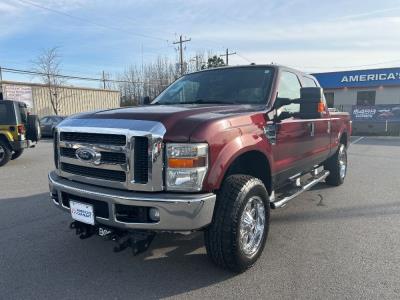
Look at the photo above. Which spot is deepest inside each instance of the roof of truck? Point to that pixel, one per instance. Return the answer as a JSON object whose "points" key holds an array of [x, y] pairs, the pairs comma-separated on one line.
{"points": [[275, 66]]}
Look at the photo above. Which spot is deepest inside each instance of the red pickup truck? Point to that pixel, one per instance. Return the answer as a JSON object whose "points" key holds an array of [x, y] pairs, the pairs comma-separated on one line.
{"points": [[213, 152]]}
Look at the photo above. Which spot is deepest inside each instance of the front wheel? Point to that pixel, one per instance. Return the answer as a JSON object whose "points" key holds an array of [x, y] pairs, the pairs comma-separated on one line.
{"points": [[17, 154], [237, 235], [337, 166]]}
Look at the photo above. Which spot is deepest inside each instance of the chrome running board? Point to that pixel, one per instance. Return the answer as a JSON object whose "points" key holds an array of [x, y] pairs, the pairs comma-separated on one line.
{"points": [[300, 189]]}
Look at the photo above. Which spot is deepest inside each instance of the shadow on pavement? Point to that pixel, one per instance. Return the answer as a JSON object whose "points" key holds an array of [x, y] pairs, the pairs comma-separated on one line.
{"points": [[44, 257], [379, 141], [361, 211]]}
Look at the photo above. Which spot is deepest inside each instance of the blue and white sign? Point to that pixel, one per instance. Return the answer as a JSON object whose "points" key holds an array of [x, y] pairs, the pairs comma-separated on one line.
{"points": [[359, 78], [377, 113]]}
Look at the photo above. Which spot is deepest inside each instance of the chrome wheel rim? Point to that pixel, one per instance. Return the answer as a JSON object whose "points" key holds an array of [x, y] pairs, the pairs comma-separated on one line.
{"points": [[252, 226], [342, 161], [2, 153]]}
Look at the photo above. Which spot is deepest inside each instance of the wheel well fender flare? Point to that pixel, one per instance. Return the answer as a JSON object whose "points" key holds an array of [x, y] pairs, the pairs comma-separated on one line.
{"points": [[5, 138], [231, 154]]}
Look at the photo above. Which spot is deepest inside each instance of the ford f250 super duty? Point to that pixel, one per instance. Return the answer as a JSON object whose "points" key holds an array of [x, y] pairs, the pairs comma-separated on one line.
{"points": [[215, 151]]}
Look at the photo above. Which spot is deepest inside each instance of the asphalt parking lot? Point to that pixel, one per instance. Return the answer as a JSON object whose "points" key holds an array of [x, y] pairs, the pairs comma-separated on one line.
{"points": [[330, 243]]}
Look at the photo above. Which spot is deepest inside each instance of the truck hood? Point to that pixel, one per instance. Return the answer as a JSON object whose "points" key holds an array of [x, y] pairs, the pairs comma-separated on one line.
{"points": [[180, 121]]}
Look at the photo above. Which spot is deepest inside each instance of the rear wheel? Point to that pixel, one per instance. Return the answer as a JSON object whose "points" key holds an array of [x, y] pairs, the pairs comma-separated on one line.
{"points": [[337, 166], [33, 131], [237, 236], [5, 153], [17, 154]]}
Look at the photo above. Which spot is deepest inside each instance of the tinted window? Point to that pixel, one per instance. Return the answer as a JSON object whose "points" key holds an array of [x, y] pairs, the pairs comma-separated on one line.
{"points": [[330, 99], [44, 120], [289, 87], [56, 120], [7, 114], [237, 85]]}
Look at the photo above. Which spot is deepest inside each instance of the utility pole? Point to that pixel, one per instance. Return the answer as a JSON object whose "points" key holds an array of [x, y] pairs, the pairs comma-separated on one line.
{"points": [[198, 61], [104, 81], [1, 84], [227, 56], [180, 42]]}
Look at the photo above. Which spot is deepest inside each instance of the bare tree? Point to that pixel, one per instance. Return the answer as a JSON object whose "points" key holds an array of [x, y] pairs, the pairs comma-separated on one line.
{"points": [[132, 87], [149, 80], [48, 66]]}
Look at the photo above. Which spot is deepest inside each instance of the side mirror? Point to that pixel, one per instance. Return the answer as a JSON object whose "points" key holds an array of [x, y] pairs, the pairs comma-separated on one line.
{"points": [[311, 105], [146, 100], [279, 102]]}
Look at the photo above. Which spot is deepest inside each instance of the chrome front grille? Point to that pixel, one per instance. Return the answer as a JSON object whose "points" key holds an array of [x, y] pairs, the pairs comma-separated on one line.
{"points": [[94, 138], [132, 160], [105, 174]]}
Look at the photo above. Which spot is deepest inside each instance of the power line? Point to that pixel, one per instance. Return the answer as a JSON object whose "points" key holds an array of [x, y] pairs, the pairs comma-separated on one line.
{"points": [[103, 80], [241, 56], [90, 22], [34, 4]]}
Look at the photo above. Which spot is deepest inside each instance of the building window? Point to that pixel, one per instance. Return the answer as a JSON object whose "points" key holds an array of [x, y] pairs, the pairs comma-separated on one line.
{"points": [[366, 98], [330, 99]]}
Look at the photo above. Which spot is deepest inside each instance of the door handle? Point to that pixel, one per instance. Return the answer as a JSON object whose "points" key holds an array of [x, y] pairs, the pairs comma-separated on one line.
{"points": [[311, 127]]}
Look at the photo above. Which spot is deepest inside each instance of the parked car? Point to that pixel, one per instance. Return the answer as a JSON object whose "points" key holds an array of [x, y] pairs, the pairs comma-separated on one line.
{"points": [[18, 130], [49, 123], [213, 152]]}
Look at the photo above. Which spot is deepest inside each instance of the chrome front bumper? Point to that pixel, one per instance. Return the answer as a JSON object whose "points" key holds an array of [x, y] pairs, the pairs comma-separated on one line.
{"points": [[178, 212]]}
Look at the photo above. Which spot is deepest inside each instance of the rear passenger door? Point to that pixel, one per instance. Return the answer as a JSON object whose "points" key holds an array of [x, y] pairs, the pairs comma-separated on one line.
{"points": [[294, 140], [321, 128]]}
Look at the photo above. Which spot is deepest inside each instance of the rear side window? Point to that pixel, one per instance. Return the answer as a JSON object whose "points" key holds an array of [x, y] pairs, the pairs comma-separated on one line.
{"points": [[289, 87], [44, 120], [309, 82], [23, 112], [7, 114]]}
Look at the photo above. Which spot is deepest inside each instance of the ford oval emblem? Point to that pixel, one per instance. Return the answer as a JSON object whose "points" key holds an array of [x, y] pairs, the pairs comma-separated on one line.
{"points": [[88, 155]]}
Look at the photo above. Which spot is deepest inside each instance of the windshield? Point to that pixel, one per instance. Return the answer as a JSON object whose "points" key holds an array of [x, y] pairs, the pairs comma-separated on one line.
{"points": [[248, 85]]}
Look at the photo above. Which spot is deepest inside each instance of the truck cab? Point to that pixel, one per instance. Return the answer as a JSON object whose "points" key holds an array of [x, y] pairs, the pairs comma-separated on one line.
{"points": [[214, 152]]}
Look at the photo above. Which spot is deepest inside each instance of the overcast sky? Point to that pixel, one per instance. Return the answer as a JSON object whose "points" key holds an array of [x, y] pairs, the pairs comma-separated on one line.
{"points": [[109, 35]]}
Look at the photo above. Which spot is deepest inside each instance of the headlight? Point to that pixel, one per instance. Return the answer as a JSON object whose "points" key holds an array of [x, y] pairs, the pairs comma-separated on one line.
{"points": [[187, 166]]}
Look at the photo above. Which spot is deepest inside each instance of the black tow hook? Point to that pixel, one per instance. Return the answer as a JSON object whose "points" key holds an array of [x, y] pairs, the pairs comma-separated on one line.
{"points": [[83, 230], [139, 241]]}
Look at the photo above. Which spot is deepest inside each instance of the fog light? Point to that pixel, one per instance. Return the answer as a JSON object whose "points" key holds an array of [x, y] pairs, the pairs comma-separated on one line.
{"points": [[154, 214]]}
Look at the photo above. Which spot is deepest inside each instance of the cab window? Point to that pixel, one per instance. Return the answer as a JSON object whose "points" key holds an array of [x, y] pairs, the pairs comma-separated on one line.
{"points": [[309, 82], [289, 87]]}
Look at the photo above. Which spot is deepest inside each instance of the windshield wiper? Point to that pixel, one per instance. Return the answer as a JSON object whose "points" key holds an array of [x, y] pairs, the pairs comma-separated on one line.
{"points": [[197, 101], [208, 101]]}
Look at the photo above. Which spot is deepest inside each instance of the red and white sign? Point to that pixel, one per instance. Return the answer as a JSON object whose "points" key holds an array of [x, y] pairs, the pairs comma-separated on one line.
{"points": [[20, 93]]}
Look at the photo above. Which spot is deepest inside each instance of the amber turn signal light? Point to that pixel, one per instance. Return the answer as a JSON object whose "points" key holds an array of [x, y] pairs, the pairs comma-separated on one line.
{"points": [[321, 107], [184, 163]]}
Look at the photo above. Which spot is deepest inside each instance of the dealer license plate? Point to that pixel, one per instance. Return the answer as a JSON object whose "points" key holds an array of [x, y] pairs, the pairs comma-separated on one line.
{"points": [[82, 212]]}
